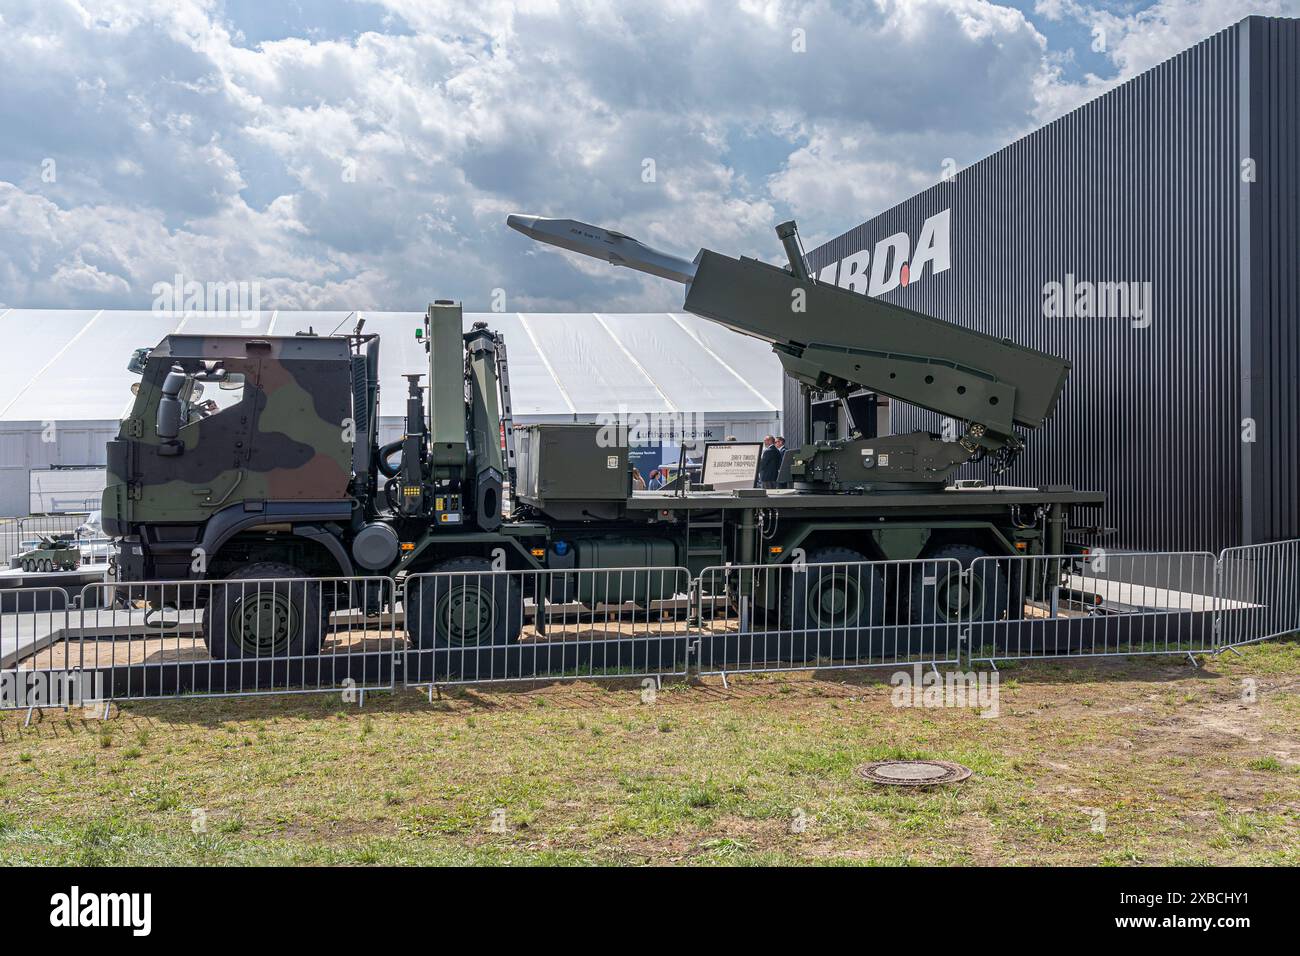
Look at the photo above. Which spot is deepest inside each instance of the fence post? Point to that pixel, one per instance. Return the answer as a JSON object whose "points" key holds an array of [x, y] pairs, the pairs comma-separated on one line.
{"points": [[1218, 604], [398, 647]]}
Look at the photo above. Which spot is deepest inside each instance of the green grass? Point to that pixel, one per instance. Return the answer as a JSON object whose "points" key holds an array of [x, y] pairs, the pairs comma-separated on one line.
{"points": [[761, 772], [1271, 764]]}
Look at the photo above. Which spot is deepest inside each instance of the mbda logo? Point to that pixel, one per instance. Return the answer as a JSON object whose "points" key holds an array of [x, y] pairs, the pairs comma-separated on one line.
{"points": [[891, 264]]}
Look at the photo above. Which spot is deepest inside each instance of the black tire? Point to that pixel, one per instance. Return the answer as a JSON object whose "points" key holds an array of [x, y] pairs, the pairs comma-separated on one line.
{"points": [[940, 595], [46, 566], [26, 565], [284, 619], [472, 619], [832, 610]]}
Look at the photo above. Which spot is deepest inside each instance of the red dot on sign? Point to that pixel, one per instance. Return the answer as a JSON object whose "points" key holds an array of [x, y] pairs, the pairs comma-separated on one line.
{"points": [[905, 273]]}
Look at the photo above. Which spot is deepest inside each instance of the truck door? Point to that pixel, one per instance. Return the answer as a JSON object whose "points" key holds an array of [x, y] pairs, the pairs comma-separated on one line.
{"points": [[186, 476]]}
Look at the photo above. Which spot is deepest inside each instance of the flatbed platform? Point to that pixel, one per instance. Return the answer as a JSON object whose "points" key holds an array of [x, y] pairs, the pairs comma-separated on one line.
{"points": [[71, 581], [964, 499]]}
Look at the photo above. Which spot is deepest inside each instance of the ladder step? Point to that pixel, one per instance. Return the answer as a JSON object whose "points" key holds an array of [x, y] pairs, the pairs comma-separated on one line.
{"points": [[694, 527]]}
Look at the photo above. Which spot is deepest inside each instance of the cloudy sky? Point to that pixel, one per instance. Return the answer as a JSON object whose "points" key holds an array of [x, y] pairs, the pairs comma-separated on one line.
{"points": [[363, 154]]}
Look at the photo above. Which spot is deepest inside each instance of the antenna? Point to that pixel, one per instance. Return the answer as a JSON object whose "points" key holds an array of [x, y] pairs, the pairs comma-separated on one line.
{"points": [[344, 319]]}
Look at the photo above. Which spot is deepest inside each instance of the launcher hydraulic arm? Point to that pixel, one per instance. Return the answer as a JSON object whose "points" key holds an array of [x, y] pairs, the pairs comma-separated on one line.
{"points": [[833, 339]]}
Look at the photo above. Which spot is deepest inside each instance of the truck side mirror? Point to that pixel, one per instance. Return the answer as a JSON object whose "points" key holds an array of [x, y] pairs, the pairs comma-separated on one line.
{"points": [[168, 425], [136, 363]]}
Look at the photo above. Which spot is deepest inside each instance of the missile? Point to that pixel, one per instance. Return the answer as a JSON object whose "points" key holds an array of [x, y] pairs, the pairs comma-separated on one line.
{"points": [[605, 244]]}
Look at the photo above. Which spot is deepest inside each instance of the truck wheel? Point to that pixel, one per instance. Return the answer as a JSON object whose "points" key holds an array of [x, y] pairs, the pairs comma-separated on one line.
{"points": [[830, 606], [46, 567], [472, 613], [281, 618], [954, 597]]}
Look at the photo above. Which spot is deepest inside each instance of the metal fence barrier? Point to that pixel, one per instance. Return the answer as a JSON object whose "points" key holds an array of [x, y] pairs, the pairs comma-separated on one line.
{"points": [[839, 614], [1259, 587], [26, 615], [482, 626], [11, 534], [226, 637], [300, 635], [30, 620], [1099, 605], [22, 534]]}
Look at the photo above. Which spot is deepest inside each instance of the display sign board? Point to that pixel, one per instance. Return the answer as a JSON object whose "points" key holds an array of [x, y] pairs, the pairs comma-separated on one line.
{"points": [[645, 459], [731, 464]]}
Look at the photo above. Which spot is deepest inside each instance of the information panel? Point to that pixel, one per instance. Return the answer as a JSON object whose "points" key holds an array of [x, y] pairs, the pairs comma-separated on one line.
{"points": [[731, 464]]}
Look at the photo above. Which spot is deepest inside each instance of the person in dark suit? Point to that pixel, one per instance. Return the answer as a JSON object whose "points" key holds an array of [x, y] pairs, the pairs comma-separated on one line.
{"points": [[783, 473], [769, 463]]}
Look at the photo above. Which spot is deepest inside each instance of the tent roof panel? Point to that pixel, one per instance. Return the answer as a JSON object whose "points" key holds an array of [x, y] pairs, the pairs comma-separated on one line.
{"points": [[71, 365], [693, 378]]}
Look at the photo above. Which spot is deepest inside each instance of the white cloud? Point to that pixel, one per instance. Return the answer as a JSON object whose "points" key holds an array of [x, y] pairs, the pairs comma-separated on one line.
{"points": [[1138, 41], [1134, 42], [375, 170]]}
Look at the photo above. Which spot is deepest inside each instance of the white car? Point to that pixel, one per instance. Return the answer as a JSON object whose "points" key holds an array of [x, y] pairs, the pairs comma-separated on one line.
{"points": [[91, 527]]}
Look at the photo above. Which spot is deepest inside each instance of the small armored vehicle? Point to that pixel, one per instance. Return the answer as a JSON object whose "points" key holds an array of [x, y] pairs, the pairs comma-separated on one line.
{"points": [[56, 552]]}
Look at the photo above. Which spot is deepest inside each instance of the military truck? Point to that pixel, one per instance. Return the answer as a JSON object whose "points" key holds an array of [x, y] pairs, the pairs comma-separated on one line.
{"points": [[257, 457], [57, 552]]}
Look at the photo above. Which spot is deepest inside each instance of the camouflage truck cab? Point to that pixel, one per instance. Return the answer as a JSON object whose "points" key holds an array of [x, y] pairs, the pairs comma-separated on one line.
{"points": [[247, 458], [230, 435]]}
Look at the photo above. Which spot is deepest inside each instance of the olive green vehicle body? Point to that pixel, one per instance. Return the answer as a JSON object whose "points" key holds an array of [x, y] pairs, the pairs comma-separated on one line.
{"points": [[288, 472], [273, 478]]}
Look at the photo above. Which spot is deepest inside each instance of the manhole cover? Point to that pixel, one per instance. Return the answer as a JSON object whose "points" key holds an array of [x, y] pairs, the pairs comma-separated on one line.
{"points": [[913, 773]]}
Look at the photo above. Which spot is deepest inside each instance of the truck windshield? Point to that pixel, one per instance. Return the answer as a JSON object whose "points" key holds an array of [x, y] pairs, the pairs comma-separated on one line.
{"points": [[205, 399]]}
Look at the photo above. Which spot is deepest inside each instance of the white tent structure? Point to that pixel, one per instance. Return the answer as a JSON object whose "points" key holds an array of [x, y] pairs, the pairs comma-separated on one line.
{"points": [[64, 384]]}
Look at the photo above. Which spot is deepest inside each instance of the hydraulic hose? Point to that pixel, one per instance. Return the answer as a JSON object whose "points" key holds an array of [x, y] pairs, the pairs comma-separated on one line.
{"points": [[386, 469]]}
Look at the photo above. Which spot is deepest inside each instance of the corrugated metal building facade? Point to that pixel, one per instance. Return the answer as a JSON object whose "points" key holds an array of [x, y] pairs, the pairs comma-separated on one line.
{"points": [[1187, 178]]}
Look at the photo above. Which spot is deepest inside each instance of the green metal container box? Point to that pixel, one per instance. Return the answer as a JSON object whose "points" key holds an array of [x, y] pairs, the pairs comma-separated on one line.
{"points": [[571, 462]]}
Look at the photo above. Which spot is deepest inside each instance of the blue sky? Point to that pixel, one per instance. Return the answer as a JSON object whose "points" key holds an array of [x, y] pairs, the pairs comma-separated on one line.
{"points": [[364, 155]]}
